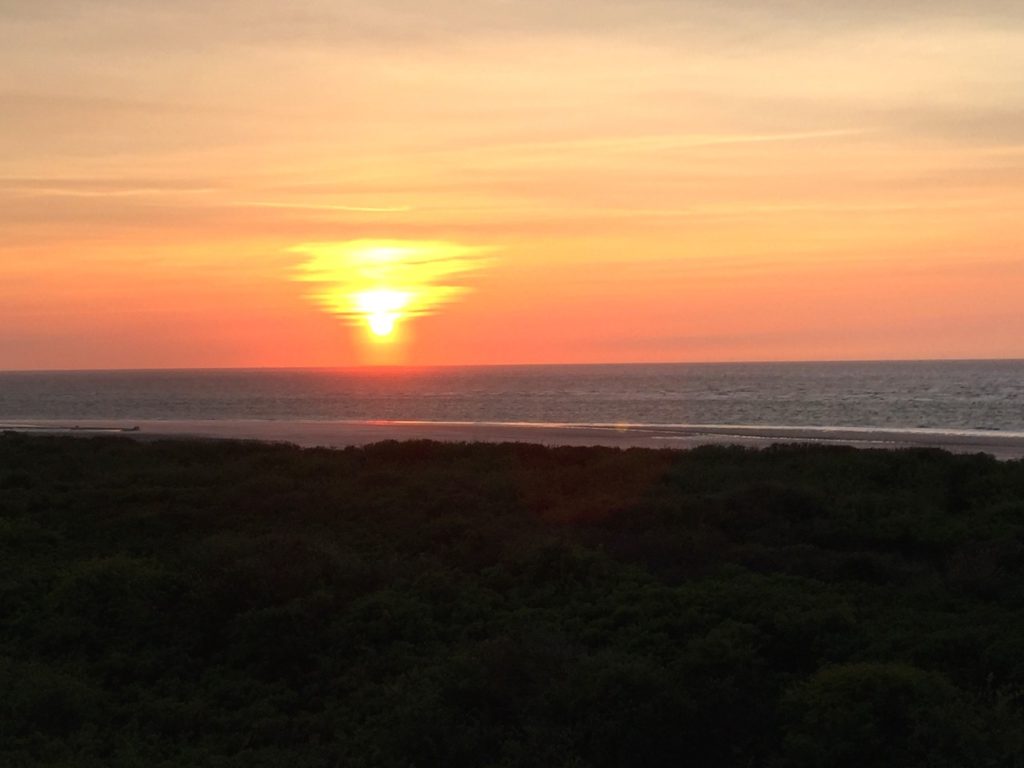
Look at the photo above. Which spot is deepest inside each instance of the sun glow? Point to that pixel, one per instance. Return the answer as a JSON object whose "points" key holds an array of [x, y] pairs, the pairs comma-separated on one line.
{"points": [[380, 283], [382, 309], [382, 324]]}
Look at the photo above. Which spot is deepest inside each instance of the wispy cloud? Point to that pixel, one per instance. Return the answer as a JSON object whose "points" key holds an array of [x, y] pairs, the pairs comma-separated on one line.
{"points": [[326, 207], [683, 141], [599, 146], [103, 187]]}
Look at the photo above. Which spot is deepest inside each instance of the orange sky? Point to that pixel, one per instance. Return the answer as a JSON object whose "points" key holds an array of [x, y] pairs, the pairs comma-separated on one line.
{"points": [[235, 183]]}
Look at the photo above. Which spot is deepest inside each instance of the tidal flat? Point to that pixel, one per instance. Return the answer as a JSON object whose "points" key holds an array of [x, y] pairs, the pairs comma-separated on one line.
{"points": [[229, 603]]}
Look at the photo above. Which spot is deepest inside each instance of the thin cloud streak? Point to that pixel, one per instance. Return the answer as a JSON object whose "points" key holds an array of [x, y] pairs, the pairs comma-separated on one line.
{"points": [[326, 207], [669, 142], [141, 192], [638, 144]]}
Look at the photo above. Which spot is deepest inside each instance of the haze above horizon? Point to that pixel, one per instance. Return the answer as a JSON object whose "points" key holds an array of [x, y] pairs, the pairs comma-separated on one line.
{"points": [[385, 368]]}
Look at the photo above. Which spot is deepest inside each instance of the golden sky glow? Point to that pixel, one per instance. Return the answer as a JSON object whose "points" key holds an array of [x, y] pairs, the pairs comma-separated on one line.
{"points": [[194, 184], [378, 283]]}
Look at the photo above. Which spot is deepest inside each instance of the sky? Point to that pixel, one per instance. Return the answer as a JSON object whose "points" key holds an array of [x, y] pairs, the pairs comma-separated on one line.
{"points": [[332, 183]]}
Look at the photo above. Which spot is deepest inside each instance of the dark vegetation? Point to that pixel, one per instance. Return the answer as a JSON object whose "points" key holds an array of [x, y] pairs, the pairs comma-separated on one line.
{"points": [[422, 604]]}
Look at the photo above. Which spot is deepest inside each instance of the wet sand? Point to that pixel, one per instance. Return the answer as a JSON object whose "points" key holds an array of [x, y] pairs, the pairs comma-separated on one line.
{"points": [[344, 433]]}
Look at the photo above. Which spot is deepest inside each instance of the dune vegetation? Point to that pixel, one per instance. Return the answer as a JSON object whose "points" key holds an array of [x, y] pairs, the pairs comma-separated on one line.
{"points": [[217, 603]]}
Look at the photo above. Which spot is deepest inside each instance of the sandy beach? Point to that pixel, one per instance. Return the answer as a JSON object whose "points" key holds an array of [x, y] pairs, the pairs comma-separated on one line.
{"points": [[1005, 445]]}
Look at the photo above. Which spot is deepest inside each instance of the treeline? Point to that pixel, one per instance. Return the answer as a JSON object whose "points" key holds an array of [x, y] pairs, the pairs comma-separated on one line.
{"points": [[216, 603]]}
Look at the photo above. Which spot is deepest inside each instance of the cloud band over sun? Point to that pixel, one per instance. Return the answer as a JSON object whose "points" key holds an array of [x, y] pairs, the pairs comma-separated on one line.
{"points": [[378, 283]]}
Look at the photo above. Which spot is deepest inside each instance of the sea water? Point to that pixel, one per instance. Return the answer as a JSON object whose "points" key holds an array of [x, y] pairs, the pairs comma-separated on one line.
{"points": [[945, 395]]}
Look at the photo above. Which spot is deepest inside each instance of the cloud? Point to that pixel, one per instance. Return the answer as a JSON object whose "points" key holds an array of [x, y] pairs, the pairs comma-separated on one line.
{"points": [[331, 23], [103, 186], [980, 125], [327, 207]]}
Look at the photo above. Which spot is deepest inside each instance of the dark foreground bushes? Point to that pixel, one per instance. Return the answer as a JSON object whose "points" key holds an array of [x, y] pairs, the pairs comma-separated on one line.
{"points": [[421, 604]]}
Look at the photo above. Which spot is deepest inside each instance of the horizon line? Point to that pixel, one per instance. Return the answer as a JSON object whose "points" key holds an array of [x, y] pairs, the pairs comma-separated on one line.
{"points": [[425, 366]]}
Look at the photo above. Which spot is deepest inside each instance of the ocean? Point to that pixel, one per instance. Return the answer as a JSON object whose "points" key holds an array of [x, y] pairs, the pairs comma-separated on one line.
{"points": [[934, 395]]}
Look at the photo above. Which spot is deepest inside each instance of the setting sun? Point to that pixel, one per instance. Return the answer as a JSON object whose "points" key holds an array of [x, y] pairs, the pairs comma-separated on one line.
{"points": [[382, 309], [378, 283], [382, 325]]}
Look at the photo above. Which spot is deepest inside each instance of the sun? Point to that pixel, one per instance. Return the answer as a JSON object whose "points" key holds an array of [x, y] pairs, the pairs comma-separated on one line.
{"points": [[381, 285], [382, 324], [382, 309]]}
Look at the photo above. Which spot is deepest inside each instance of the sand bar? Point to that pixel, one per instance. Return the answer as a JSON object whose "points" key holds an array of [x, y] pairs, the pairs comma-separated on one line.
{"points": [[1003, 445]]}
